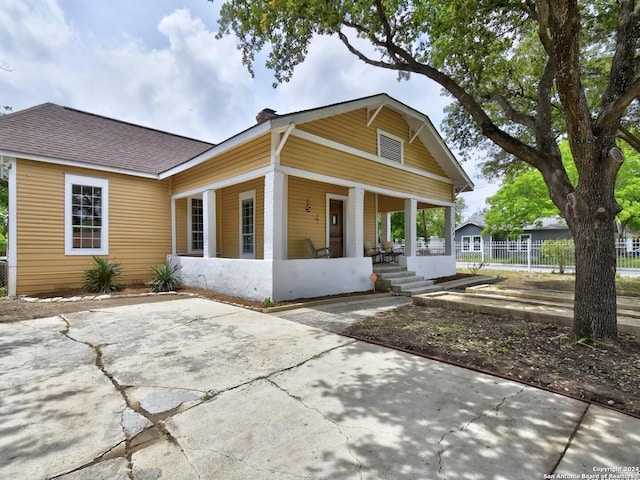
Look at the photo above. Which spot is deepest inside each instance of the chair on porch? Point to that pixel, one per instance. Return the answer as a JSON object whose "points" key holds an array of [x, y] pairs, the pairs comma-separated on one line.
{"points": [[389, 252], [372, 251], [317, 252]]}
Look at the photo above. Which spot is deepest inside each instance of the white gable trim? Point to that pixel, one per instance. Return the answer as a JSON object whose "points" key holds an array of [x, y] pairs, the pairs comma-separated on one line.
{"points": [[229, 144], [369, 156]]}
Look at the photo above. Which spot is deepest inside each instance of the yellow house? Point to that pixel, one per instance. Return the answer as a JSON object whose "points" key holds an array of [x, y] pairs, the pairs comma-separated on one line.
{"points": [[236, 216]]}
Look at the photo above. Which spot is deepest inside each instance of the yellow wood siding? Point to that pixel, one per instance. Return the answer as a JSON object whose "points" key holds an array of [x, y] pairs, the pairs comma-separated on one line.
{"points": [[370, 221], [303, 224], [182, 229], [305, 155], [139, 227], [228, 200], [247, 157], [351, 129]]}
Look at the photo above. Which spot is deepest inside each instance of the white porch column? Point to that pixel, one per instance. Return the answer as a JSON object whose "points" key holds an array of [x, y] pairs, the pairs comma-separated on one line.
{"points": [[410, 226], [209, 223], [275, 195], [355, 220], [174, 248], [385, 234], [449, 230]]}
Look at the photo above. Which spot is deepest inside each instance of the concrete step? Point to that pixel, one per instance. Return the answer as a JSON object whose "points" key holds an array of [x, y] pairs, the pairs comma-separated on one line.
{"points": [[514, 307], [400, 274], [407, 288], [387, 268], [624, 303], [404, 279]]}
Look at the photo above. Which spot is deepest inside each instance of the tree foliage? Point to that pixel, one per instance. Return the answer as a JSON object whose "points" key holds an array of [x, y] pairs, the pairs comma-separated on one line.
{"points": [[524, 73], [523, 197]]}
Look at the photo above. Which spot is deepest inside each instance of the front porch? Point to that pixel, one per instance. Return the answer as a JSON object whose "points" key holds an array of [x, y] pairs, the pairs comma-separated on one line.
{"points": [[249, 239]]}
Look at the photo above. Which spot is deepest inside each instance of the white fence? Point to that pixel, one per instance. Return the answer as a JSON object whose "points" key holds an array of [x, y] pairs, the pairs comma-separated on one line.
{"points": [[539, 255]]}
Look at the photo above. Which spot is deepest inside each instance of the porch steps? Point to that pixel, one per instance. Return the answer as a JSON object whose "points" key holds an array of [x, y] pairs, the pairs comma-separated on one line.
{"points": [[397, 279]]}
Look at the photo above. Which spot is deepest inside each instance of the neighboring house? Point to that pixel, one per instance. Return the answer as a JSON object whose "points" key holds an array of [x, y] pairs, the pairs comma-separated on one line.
{"points": [[470, 237], [234, 216]]}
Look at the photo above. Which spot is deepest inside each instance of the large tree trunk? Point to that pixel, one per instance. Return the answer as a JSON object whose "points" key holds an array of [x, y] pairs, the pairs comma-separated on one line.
{"points": [[590, 212], [595, 309]]}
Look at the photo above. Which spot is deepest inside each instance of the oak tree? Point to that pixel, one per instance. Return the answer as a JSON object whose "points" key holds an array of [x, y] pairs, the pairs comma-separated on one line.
{"points": [[523, 73]]}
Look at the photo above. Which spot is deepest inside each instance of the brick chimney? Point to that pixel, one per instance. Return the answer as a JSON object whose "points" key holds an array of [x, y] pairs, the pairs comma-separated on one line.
{"points": [[265, 114]]}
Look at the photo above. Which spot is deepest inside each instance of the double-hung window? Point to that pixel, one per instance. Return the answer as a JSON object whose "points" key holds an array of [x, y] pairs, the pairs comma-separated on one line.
{"points": [[86, 215], [247, 224], [197, 225]]}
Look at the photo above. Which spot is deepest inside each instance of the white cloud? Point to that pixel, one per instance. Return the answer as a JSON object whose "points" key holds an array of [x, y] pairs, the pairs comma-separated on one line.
{"points": [[162, 67]]}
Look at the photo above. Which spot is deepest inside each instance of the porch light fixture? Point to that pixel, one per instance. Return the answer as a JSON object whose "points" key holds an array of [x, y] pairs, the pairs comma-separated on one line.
{"points": [[308, 207]]}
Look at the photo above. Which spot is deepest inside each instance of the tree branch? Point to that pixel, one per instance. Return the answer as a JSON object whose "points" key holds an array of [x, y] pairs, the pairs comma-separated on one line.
{"points": [[630, 138], [513, 115], [565, 24], [622, 88]]}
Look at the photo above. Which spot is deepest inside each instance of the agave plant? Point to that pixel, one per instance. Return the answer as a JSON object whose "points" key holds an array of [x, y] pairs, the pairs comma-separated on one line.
{"points": [[103, 276], [166, 278]]}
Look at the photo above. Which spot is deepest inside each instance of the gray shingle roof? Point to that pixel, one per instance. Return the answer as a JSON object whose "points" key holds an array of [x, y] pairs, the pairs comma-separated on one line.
{"points": [[64, 133]]}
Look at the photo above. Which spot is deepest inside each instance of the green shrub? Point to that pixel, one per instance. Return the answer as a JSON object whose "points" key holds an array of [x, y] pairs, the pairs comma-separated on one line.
{"points": [[103, 276], [166, 278], [3, 292], [268, 303]]}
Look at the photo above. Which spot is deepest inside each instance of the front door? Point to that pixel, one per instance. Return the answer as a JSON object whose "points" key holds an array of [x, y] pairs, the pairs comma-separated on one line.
{"points": [[336, 233]]}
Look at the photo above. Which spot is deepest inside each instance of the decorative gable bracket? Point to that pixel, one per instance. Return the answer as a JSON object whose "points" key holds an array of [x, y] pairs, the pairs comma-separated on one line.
{"points": [[412, 134], [372, 114]]}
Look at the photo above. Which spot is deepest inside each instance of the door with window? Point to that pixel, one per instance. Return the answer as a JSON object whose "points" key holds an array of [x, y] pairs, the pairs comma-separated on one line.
{"points": [[336, 228]]}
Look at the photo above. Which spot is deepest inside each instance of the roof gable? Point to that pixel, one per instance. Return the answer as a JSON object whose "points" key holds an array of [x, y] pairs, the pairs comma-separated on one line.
{"points": [[419, 124], [63, 133]]}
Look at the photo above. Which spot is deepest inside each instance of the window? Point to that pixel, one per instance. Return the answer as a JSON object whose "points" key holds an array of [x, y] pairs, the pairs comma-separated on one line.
{"points": [[524, 240], [390, 147], [247, 224], [472, 243], [197, 225], [86, 215]]}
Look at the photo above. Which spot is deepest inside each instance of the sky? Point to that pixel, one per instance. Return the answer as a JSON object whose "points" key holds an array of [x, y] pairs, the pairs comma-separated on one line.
{"points": [[157, 63]]}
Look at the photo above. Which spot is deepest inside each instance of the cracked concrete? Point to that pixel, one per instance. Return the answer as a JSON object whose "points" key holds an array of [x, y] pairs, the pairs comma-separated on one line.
{"points": [[193, 389]]}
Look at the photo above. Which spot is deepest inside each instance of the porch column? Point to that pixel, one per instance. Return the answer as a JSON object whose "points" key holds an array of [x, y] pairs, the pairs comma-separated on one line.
{"points": [[275, 194], [449, 230], [174, 249], [410, 226], [385, 234], [209, 223], [355, 223]]}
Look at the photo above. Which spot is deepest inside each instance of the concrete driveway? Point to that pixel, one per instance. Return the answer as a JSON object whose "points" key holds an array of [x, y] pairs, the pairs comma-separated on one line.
{"points": [[193, 389]]}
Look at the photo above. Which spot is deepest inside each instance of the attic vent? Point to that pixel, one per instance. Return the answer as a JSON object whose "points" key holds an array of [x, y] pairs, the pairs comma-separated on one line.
{"points": [[390, 146]]}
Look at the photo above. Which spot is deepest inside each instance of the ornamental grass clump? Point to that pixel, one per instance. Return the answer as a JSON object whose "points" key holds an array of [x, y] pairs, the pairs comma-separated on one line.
{"points": [[103, 277], [166, 278]]}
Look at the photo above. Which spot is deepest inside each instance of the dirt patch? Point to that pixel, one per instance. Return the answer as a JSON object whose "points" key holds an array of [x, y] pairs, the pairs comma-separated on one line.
{"points": [[537, 353]]}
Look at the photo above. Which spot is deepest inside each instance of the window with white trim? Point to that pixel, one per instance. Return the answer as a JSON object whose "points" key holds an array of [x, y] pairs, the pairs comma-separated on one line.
{"points": [[471, 243], [86, 215], [390, 146], [524, 241], [197, 225], [248, 224]]}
